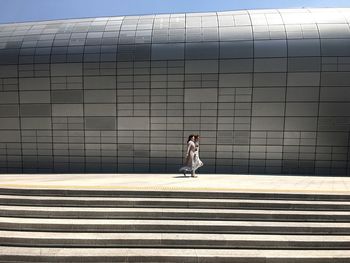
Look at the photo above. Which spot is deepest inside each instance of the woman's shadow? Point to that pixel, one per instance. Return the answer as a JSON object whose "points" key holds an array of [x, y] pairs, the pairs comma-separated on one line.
{"points": [[182, 176]]}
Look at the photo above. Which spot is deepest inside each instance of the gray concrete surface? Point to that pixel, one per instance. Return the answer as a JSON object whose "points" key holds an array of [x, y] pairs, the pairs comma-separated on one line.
{"points": [[176, 182]]}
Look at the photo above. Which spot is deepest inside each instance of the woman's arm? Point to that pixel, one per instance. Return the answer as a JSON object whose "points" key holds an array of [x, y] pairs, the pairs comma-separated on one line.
{"points": [[190, 145]]}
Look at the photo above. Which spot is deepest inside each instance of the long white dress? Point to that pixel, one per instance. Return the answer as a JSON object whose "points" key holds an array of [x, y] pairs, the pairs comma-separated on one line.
{"points": [[188, 166], [196, 161], [192, 162]]}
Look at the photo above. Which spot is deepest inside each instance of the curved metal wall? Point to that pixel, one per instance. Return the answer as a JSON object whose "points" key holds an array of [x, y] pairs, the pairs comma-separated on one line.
{"points": [[267, 90]]}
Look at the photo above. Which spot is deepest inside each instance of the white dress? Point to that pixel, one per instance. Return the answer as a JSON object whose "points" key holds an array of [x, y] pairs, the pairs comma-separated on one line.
{"points": [[196, 161], [192, 158], [188, 166]]}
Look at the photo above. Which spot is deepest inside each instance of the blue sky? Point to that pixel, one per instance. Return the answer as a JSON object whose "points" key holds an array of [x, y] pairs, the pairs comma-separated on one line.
{"points": [[36, 10]]}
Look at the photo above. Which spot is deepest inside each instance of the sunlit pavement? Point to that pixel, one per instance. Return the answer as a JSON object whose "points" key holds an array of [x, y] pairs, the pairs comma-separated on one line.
{"points": [[177, 182]]}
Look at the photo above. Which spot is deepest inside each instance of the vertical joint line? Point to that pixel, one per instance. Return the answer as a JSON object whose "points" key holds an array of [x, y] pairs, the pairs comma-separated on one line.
{"points": [[251, 97], [318, 100], [285, 101], [217, 97]]}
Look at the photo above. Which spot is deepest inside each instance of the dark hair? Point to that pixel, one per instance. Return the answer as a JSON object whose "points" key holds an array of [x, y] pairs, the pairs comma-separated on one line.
{"points": [[196, 137], [189, 137]]}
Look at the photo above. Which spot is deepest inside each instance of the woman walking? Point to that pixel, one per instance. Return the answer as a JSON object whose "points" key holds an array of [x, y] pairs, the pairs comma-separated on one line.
{"points": [[196, 161], [192, 161]]}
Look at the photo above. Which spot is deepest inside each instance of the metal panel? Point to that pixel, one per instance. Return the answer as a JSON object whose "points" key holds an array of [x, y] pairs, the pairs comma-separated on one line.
{"points": [[267, 90]]}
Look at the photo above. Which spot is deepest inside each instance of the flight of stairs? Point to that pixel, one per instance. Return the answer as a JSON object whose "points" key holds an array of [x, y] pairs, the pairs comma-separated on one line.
{"points": [[165, 226]]}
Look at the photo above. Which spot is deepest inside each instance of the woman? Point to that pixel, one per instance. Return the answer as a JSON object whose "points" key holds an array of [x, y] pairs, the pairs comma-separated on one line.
{"points": [[196, 161], [191, 148]]}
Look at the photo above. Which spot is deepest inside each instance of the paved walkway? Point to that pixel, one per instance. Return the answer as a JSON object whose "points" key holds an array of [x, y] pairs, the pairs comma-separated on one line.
{"points": [[177, 182]]}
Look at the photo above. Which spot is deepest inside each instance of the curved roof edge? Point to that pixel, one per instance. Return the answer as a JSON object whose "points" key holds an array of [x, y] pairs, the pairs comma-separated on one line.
{"points": [[258, 10]]}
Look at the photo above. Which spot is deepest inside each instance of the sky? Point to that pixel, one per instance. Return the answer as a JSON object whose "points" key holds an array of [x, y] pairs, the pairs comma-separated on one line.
{"points": [[38, 10]]}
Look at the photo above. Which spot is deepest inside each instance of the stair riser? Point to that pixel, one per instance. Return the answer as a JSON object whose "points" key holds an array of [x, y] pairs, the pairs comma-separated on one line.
{"points": [[175, 204], [176, 215], [156, 243], [176, 229]]}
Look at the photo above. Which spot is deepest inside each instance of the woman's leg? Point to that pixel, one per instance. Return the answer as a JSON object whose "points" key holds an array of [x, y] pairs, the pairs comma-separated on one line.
{"points": [[193, 173], [194, 165]]}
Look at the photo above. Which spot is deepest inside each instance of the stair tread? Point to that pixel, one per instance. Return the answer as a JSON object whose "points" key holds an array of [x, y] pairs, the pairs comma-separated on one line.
{"points": [[167, 210], [167, 191], [171, 236], [181, 253], [63, 221], [172, 200]]}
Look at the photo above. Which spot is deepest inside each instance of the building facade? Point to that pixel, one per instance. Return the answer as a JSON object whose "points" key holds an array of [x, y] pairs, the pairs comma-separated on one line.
{"points": [[267, 90]]}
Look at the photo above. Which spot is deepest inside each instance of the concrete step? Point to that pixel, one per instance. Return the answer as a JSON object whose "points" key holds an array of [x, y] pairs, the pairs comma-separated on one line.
{"points": [[40, 254], [171, 240], [175, 194], [172, 213], [173, 226], [174, 202], [132, 226]]}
